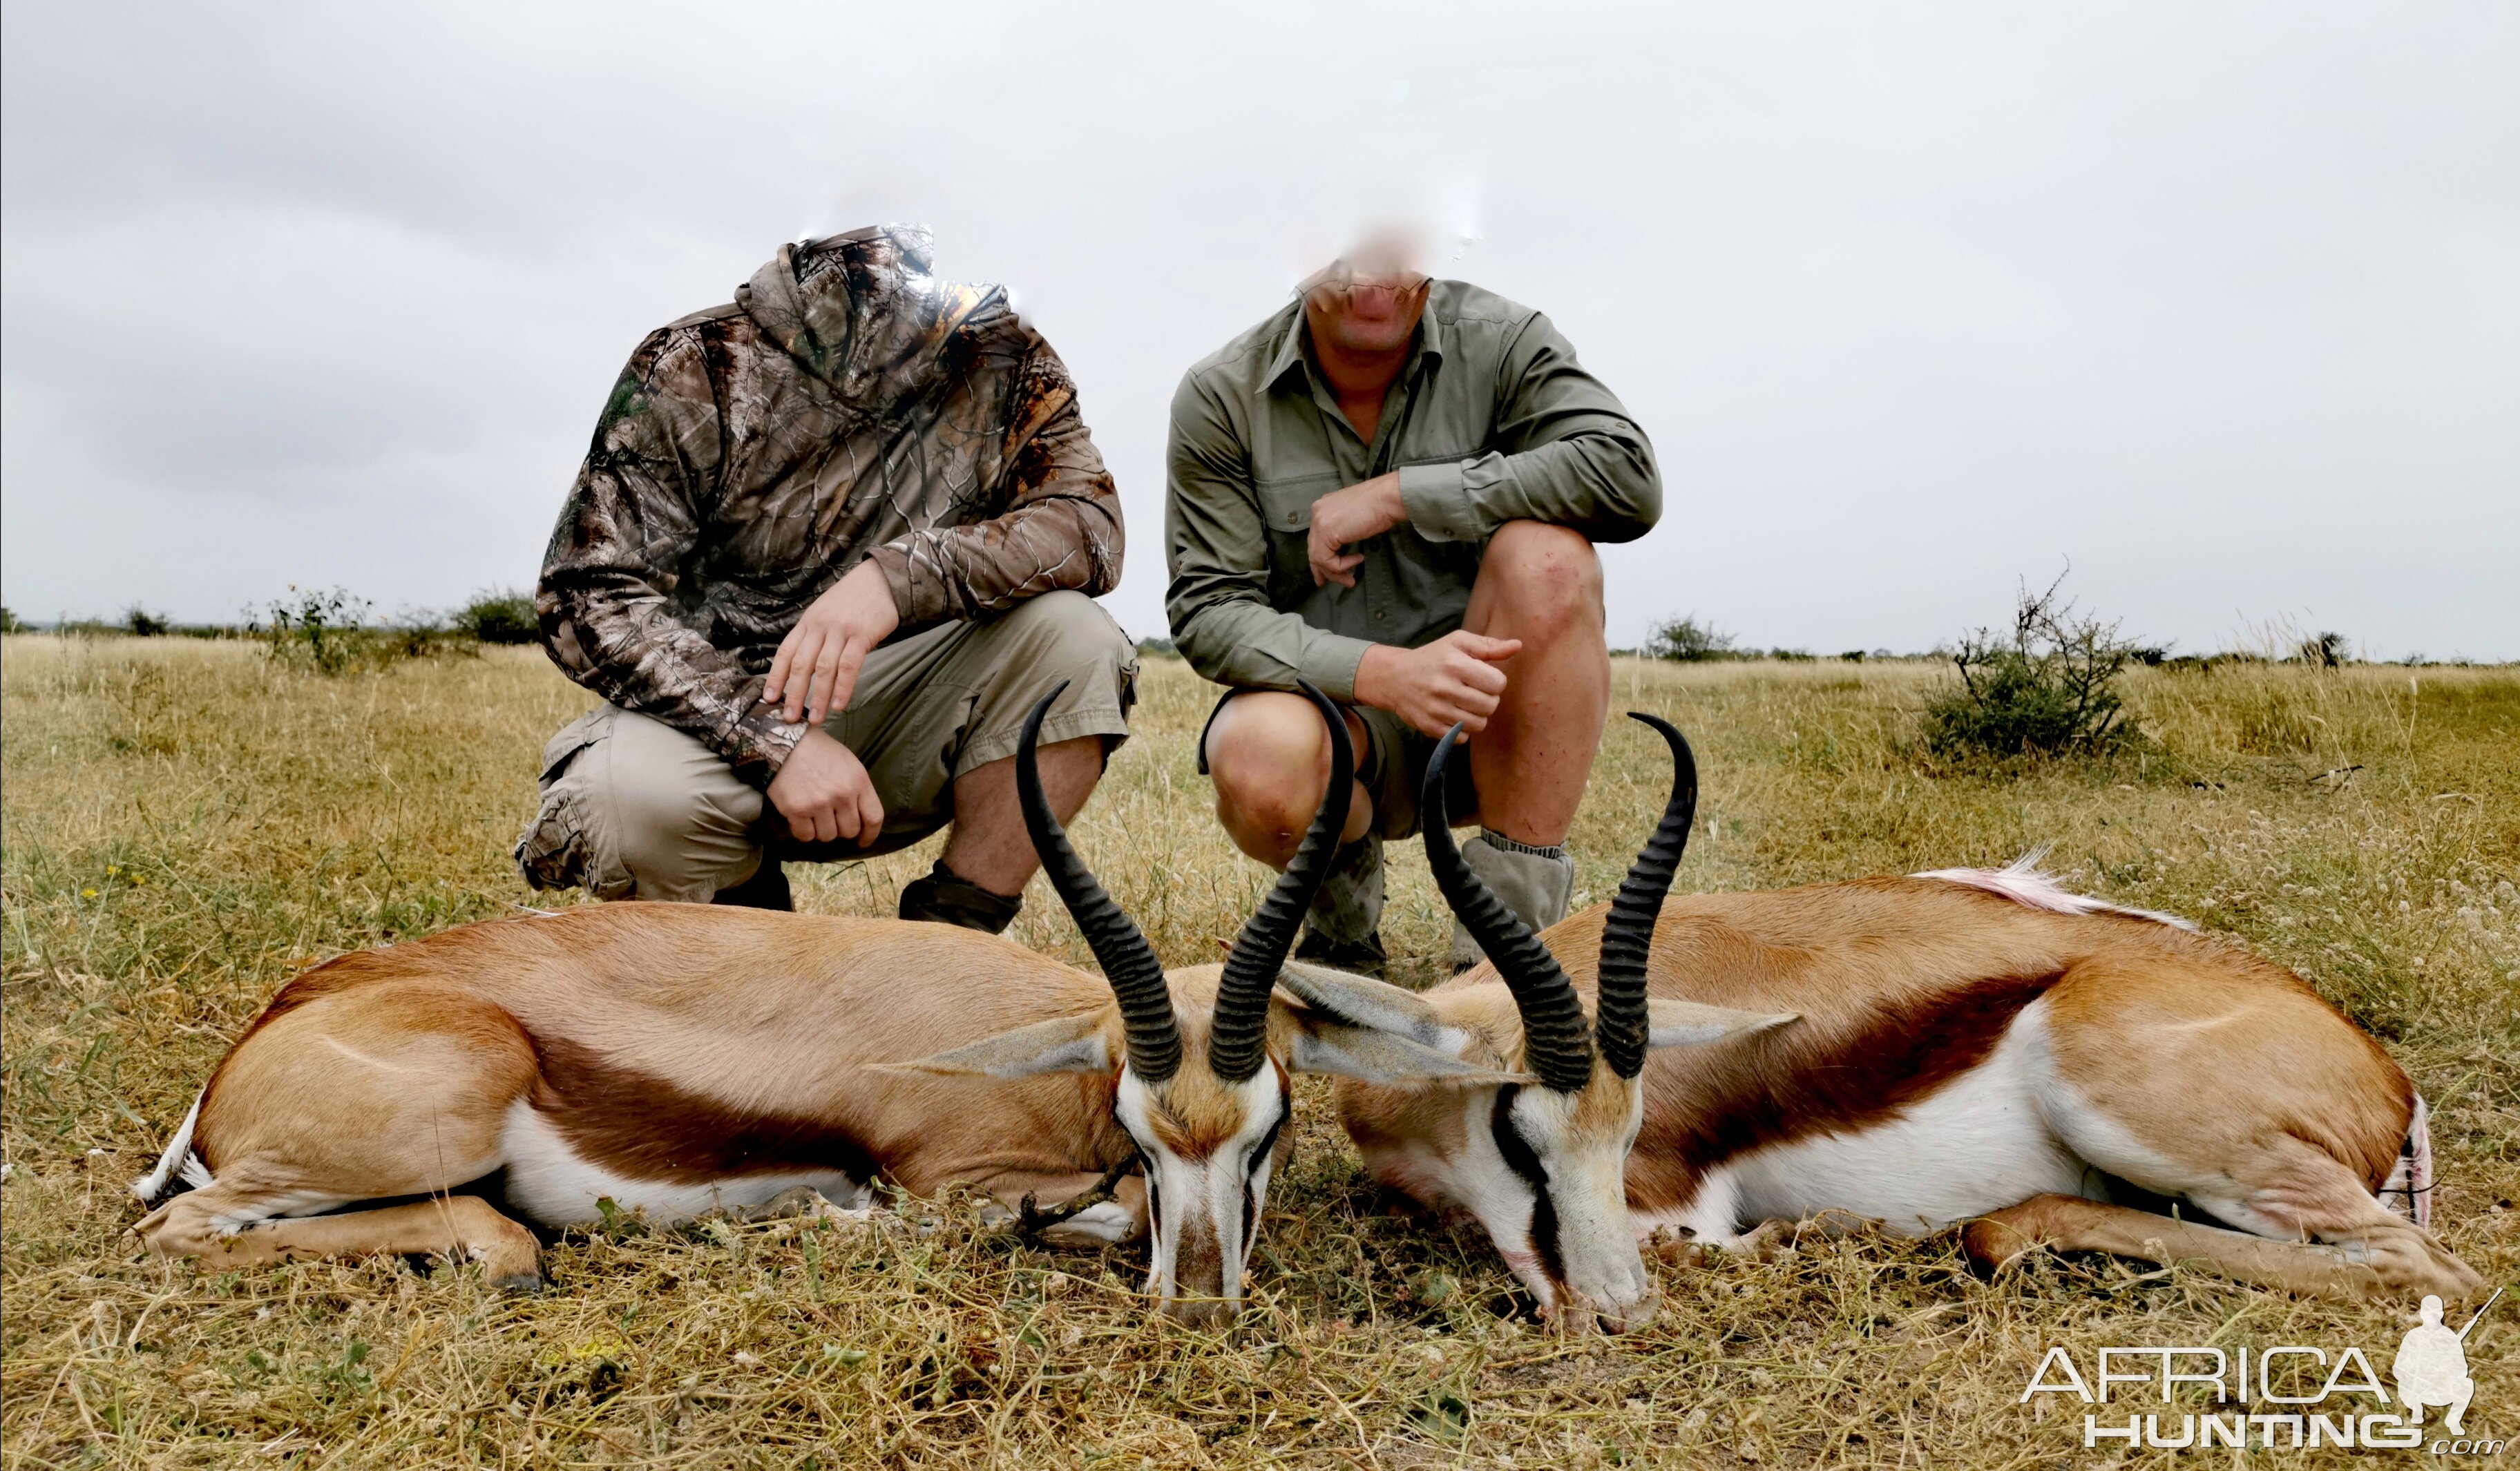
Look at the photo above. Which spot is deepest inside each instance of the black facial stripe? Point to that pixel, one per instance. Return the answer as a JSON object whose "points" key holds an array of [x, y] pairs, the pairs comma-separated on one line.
{"points": [[1524, 1161], [1251, 1173]]}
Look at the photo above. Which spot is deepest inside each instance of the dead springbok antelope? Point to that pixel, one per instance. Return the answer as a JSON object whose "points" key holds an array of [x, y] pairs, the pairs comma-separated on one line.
{"points": [[679, 1059], [1965, 1045]]}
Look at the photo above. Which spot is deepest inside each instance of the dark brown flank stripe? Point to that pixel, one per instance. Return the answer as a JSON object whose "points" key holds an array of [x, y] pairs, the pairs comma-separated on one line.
{"points": [[645, 1128], [1781, 1087]]}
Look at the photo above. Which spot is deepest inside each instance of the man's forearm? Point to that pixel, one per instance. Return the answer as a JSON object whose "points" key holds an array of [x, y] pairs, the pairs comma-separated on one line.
{"points": [[1244, 642]]}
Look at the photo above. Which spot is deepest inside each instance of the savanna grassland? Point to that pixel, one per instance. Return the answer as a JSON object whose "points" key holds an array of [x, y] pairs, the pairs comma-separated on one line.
{"points": [[187, 824]]}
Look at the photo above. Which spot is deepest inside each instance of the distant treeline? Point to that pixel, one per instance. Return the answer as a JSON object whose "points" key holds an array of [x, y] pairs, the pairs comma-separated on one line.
{"points": [[493, 616]]}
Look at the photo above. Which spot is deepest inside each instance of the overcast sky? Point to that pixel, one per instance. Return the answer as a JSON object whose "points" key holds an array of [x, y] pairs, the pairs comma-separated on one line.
{"points": [[2219, 302]]}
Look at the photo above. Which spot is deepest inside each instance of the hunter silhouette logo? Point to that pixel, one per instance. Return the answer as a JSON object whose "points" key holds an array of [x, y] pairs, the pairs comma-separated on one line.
{"points": [[2431, 1368]]}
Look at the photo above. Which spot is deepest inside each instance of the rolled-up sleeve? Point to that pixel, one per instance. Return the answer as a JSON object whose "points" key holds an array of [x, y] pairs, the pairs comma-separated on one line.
{"points": [[1565, 452], [1216, 548]]}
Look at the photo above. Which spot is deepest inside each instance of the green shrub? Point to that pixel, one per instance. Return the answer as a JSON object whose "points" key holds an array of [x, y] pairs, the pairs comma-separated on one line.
{"points": [[1689, 641], [2325, 651], [10, 622], [140, 623], [328, 633], [500, 616], [2046, 688]]}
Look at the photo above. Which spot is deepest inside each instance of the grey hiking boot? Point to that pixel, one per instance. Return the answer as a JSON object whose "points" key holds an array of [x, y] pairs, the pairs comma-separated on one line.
{"points": [[1343, 928], [1536, 883]]}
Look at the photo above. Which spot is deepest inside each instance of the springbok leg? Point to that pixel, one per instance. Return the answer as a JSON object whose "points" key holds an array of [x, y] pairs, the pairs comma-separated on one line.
{"points": [[461, 1227], [2355, 1269]]}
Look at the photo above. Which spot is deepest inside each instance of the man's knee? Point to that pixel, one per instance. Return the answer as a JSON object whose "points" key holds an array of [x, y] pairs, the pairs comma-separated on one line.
{"points": [[1268, 756], [1544, 579], [1067, 626]]}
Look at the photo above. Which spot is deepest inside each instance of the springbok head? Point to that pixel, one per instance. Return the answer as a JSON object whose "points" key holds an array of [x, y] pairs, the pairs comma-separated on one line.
{"points": [[1201, 1055], [1548, 1156]]}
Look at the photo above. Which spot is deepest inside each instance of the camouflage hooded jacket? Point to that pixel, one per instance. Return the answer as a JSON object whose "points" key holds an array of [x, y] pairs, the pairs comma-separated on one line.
{"points": [[847, 404]]}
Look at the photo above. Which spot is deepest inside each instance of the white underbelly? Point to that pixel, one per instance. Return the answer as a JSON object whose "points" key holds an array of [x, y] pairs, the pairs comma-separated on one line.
{"points": [[552, 1184], [1978, 1144]]}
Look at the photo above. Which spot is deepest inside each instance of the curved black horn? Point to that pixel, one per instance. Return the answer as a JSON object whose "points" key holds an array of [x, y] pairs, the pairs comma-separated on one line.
{"points": [[1129, 962], [1627, 934], [1236, 1037], [1556, 1045]]}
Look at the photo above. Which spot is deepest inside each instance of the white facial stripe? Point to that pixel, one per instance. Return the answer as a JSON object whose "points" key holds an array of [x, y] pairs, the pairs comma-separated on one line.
{"points": [[1189, 1195]]}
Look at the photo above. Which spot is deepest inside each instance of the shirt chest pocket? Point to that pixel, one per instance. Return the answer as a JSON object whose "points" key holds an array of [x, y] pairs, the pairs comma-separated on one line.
{"points": [[1286, 504]]}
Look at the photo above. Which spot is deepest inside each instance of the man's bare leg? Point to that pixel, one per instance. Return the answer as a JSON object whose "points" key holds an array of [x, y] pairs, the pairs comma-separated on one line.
{"points": [[1541, 584], [989, 846], [1268, 755]]}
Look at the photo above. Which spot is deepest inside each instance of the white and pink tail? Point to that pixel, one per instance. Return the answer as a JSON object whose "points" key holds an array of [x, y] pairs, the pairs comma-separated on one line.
{"points": [[2021, 882], [179, 1162]]}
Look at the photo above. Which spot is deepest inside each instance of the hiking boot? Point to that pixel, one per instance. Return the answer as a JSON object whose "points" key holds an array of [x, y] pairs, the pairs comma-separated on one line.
{"points": [[1364, 956], [1536, 883], [766, 889], [945, 896]]}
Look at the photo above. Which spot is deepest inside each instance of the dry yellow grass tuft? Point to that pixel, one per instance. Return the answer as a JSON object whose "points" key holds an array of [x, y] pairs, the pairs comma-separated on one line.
{"points": [[186, 823]]}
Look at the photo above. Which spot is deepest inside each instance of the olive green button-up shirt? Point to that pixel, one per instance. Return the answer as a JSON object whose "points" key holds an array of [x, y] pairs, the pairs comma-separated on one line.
{"points": [[1490, 421]]}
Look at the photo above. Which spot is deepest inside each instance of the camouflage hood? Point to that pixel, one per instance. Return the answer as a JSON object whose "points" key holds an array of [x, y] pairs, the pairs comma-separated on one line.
{"points": [[864, 312]]}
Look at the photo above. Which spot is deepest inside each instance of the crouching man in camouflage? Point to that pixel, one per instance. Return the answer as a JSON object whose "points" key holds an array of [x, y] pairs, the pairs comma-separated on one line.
{"points": [[830, 544], [1392, 487]]}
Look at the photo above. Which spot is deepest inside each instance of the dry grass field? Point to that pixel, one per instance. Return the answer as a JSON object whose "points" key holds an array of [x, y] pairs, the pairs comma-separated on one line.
{"points": [[184, 825]]}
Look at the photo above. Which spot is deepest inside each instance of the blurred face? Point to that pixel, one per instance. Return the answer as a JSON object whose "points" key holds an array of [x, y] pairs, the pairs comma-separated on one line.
{"points": [[1368, 304]]}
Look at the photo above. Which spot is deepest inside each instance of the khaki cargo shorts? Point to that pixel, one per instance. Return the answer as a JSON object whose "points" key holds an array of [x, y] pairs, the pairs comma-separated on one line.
{"points": [[635, 808]]}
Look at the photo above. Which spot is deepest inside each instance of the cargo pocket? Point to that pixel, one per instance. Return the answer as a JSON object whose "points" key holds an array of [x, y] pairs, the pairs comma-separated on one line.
{"points": [[557, 850]]}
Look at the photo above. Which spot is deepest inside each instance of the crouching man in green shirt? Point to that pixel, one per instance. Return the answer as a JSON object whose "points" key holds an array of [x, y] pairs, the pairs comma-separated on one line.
{"points": [[1391, 487]]}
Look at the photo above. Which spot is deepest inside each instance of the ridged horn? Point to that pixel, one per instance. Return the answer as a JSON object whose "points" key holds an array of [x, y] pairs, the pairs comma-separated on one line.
{"points": [[1627, 936], [1237, 1037], [1556, 1044], [1129, 962]]}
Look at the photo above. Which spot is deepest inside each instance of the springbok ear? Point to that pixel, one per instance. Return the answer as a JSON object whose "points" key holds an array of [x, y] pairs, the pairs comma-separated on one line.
{"points": [[1062, 1045], [1681, 1024], [1322, 1045], [1364, 1003]]}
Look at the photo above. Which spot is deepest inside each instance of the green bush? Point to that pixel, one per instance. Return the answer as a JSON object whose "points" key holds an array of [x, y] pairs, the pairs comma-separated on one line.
{"points": [[10, 622], [140, 623], [328, 633], [2324, 651], [1689, 641], [500, 616], [2046, 688]]}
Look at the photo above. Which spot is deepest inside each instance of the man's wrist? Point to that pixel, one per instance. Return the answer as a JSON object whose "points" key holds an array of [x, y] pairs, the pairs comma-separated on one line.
{"points": [[1374, 673], [1388, 503]]}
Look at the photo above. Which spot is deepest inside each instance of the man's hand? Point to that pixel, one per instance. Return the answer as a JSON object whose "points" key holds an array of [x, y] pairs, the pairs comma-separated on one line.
{"points": [[816, 669], [1343, 517], [824, 793], [1453, 680]]}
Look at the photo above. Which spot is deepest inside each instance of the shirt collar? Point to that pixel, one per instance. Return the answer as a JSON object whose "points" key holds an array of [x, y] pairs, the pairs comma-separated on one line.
{"points": [[1293, 353]]}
